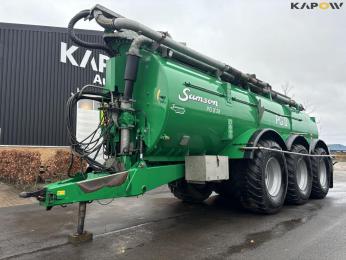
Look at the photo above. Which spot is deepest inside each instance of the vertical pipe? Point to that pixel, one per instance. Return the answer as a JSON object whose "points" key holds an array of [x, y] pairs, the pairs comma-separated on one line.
{"points": [[125, 132], [130, 76]]}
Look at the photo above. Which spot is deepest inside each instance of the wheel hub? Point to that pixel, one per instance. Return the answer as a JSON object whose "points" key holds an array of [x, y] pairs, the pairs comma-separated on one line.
{"points": [[273, 177], [302, 175], [322, 174]]}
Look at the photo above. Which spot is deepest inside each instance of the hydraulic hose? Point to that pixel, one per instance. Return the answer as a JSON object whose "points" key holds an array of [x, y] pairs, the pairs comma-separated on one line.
{"points": [[91, 144], [92, 45]]}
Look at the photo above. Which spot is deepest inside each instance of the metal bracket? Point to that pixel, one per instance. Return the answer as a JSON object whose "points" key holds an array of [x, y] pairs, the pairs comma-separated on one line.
{"points": [[260, 109], [222, 71], [157, 44], [105, 11]]}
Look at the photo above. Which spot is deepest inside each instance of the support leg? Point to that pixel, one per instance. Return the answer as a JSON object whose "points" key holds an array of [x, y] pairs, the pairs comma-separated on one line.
{"points": [[81, 235]]}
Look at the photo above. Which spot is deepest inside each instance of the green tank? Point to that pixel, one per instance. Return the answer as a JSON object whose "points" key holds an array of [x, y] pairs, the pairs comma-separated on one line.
{"points": [[180, 103], [171, 115]]}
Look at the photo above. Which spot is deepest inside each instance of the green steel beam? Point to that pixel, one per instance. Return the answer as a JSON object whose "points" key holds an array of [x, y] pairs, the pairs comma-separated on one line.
{"points": [[137, 181]]}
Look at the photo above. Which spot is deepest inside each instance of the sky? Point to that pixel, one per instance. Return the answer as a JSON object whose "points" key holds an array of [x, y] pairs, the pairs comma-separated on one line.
{"points": [[302, 49]]}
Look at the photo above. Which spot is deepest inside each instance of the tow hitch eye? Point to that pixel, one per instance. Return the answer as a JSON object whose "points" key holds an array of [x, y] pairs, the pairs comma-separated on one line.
{"points": [[39, 194]]}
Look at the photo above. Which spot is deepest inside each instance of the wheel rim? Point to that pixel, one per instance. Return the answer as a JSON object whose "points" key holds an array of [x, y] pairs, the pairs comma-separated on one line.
{"points": [[302, 175], [322, 174], [273, 177]]}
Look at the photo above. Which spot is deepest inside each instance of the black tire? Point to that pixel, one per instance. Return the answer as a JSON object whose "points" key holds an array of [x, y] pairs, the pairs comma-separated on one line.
{"points": [[188, 192], [320, 184], [299, 176], [250, 180]]}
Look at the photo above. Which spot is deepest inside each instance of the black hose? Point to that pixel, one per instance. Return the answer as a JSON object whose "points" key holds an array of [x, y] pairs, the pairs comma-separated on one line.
{"points": [[130, 76], [69, 174], [85, 148], [80, 42]]}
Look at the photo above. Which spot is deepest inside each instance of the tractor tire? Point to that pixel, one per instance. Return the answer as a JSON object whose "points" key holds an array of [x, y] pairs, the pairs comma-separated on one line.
{"points": [[190, 192], [299, 176], [261, 182], [322, 168]]}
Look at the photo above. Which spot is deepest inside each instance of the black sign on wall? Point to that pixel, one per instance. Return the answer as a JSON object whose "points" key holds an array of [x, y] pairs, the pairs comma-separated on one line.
{"points": [[39, 68]]}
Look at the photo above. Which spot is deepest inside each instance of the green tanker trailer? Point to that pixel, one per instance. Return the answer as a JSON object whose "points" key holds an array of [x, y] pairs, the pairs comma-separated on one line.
{"points": [[171, 115]]}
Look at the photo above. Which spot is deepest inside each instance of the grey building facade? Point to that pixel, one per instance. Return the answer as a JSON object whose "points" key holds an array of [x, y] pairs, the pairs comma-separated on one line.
{"points": [[39, 68]]}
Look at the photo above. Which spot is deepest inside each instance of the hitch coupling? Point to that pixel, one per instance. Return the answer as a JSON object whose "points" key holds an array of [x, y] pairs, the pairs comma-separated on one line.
{"points": [[40, 195]]}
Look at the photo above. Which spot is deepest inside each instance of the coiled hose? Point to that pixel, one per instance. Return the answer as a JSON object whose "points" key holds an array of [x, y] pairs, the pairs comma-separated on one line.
{"points": [[92, 143], [92, 45]]}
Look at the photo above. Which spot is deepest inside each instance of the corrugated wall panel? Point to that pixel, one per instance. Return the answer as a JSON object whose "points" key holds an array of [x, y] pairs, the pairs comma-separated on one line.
{"points": [[35, 84]]}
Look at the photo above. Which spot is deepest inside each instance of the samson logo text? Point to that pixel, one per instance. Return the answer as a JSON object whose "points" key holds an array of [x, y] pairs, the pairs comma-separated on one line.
{"points": [[187, 96], [316, 5]]}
